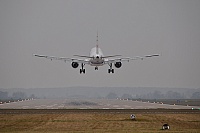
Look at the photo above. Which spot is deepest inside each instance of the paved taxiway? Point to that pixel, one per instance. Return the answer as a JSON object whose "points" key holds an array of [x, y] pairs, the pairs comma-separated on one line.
{"points": [[88, 104]]}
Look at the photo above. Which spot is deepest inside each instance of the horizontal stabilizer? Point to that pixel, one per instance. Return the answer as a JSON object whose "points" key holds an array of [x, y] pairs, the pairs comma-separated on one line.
{"points": [[111, 56], [84, 56]]}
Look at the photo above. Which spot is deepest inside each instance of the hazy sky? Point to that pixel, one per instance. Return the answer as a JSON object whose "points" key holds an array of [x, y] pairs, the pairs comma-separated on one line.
{"points": [[127, 27]]}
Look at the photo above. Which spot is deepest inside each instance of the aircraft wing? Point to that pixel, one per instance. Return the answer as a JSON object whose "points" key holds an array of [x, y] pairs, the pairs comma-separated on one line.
{"points": [[144, 57], [129, 58], [65, 59]]}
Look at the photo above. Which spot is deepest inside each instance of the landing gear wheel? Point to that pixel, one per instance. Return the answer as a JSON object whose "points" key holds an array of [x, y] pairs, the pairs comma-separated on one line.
{"points": [[110, 70], [82, 71]]}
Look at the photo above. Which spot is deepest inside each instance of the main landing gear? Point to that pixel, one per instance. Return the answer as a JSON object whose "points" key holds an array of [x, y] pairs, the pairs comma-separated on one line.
{"points": [[110, 70], [82, 70]]}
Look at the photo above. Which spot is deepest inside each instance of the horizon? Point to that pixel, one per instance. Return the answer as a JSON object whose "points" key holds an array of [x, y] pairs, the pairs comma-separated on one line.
{"points": [[100, 87]]}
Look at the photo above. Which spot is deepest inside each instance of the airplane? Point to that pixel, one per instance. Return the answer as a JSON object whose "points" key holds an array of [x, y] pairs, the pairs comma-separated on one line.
{"points": [[96, 59]]}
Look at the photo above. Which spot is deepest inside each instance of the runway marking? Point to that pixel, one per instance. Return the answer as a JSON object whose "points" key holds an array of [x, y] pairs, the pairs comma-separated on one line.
{"points": [[108, 104], [127, 106], [25, 107]]}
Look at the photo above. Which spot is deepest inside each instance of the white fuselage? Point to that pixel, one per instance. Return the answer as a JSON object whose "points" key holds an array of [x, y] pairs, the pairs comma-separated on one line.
{"points": [[96, 55]]}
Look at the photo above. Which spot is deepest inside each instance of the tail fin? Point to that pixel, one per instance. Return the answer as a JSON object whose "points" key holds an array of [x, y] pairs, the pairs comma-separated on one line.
{"points": [[97, 45]]}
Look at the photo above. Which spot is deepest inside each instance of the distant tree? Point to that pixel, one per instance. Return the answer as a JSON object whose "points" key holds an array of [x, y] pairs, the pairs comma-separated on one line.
{"points": [[126, 96], [19, 95], [157, 95], [3, 95], [173, 95], [32, 96], [169, 95], [149, 96], [138, 96], [177, 95], [111, 95], [196, 95]]}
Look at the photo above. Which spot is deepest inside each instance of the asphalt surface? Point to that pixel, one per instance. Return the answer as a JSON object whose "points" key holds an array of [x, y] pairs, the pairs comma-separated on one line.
{"points": [[89, 104], [98, 111]]}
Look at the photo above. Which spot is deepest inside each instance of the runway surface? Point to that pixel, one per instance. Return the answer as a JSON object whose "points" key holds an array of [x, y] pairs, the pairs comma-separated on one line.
{"points": [[88, 104]]}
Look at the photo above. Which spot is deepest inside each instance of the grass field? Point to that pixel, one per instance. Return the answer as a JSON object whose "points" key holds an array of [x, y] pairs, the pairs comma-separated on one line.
{"points": [[98, 123]]}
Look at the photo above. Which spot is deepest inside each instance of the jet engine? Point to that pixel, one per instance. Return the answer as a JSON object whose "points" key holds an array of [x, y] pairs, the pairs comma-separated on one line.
{"points": [[118, 64], [75, 64]]}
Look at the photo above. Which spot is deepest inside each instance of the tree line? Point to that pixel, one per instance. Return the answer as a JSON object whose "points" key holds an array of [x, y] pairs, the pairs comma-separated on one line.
{"points": [[15, 96], [155, 95]]}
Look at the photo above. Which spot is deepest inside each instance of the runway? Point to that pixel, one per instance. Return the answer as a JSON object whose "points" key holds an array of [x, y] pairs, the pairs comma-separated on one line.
{"points": [[88, 104]]}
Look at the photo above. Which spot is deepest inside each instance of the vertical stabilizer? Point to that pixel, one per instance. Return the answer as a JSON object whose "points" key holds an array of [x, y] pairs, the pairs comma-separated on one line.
{"points": [[97, 45]]}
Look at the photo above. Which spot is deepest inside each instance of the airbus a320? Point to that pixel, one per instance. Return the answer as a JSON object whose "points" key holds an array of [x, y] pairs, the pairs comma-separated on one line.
{"points": [[96, 59]]}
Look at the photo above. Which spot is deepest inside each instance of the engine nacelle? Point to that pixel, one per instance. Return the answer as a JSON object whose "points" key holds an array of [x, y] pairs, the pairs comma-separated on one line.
{"points": [[118, 64], [75, 64]]}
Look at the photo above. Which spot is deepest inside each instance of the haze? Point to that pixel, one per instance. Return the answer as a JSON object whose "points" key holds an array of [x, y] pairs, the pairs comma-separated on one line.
{"points": [[130, 28]]}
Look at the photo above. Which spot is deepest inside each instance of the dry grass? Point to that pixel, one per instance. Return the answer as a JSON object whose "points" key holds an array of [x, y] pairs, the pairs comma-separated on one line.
{"points": [[98, 122]]}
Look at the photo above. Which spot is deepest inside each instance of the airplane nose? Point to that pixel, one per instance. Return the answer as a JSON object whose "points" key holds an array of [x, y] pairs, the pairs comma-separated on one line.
{"points": [[97, 57]]}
